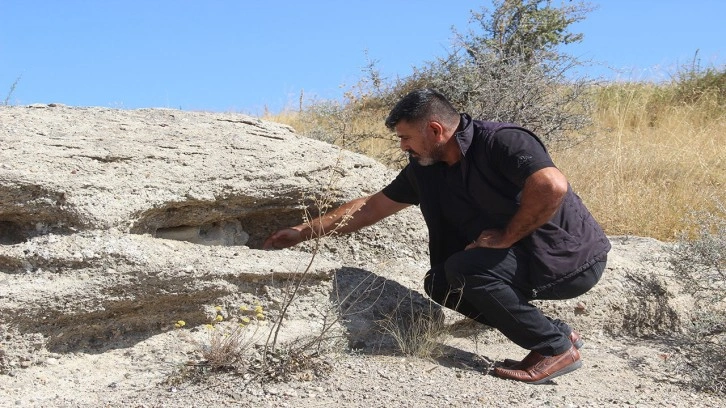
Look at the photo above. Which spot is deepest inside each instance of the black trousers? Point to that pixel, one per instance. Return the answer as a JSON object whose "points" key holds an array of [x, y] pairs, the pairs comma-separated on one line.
{"points": [[492, 287]]}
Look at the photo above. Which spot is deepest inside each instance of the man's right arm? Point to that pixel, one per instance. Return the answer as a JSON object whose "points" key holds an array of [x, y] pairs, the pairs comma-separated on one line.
{"points": [[347, 218]]}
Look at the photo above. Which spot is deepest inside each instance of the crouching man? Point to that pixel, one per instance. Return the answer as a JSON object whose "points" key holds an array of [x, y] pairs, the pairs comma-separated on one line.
{"points": [[504, 227]]}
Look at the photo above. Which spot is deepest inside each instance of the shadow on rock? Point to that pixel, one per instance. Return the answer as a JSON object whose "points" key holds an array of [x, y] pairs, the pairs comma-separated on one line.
{"points": [[368, 303]]}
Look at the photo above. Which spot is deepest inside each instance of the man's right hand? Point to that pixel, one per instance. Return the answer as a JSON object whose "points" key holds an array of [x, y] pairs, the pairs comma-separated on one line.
{"points": [[349, 217], [283, 238]]}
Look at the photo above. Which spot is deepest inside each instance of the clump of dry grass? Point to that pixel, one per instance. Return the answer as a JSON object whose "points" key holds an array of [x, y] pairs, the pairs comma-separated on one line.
{"points": [[417, 330], [699, 262], [226, 349]]}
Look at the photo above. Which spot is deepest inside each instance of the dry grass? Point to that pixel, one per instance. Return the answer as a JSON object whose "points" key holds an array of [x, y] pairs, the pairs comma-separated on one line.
{"points": [[650, 162], [226, 349], [418, 331], [360, 129]]}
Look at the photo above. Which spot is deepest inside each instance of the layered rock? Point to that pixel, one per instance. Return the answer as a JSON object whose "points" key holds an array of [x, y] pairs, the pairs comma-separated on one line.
{"points": [[116, 223]]}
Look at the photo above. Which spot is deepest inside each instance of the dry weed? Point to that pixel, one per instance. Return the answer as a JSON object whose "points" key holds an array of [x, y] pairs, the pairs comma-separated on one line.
{"points": [[700, 263], [417, 330]]}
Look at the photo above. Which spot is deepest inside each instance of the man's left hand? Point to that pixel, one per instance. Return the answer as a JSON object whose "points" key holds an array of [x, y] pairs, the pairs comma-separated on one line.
{"points": [[491, 238]]}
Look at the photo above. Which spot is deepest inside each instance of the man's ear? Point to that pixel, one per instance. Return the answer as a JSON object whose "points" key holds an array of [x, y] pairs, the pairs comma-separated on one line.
{"points": [[438, 130]]}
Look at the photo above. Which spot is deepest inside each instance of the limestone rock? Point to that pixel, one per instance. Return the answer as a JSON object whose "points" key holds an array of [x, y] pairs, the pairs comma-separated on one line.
{"points": [[115, 224]]}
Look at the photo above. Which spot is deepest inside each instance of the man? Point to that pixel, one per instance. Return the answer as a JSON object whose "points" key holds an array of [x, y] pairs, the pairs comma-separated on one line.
{"points": [[504, 226]]}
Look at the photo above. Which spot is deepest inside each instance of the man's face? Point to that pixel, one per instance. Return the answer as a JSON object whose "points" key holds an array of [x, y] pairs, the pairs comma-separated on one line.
{"points": [[418, 140]]}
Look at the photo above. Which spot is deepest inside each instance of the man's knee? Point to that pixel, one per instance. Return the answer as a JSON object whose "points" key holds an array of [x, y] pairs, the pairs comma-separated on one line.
{"points": [[577, 285], [456, 268]]}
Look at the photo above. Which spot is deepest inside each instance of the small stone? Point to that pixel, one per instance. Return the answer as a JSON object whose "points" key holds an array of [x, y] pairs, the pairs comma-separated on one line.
{"points": [[25, 364]]}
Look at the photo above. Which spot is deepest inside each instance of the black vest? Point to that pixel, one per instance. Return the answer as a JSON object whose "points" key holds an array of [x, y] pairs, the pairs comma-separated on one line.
{"points": [[460, 201]]}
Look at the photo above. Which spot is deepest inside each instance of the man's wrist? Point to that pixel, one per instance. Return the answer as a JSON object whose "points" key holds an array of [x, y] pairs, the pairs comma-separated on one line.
{"points": [[304, 232], [508, 238]]}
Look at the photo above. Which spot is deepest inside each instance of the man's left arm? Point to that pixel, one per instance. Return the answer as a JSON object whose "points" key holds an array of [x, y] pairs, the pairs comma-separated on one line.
{"points": [[541, 196]]}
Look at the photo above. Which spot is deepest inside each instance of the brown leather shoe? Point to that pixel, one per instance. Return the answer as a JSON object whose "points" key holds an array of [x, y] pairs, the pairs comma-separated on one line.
{"points": [[531, 359], [545, 369]]}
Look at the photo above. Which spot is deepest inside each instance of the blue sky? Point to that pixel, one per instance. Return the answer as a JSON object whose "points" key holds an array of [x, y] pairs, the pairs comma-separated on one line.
{"points": [[247, 55]]}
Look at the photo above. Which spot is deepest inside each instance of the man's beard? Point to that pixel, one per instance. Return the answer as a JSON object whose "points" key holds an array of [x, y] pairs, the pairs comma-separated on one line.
{"points": [[435, 155]]}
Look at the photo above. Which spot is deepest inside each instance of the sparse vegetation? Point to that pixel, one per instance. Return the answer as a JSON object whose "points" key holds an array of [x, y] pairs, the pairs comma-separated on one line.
{"points": [[230, 344], [511, 67], [508, 68], [700, 263], [418, 330], [11, 91]]}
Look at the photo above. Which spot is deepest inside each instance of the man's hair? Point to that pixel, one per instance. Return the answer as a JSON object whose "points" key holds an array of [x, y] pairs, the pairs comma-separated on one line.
{"points": [[423, 104]]}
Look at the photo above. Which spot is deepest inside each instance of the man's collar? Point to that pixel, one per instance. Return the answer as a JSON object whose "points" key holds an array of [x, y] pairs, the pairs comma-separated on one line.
{"points": [[464, 133]]}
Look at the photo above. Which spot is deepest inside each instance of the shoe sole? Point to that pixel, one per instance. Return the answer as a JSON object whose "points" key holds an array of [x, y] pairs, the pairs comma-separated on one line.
{"points": [[570, 368], [507, 363]]}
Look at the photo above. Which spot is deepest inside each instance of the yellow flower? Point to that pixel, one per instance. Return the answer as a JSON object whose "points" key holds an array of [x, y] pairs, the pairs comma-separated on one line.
{"points": [[243, 308], [258, 309], [218, 308], [260, 316], [219, 318], [209, 326], [246, 319], [180, 323]]}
